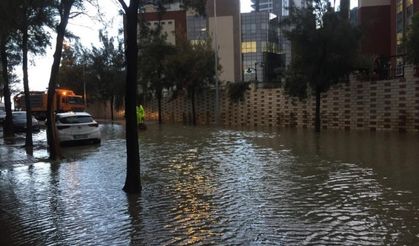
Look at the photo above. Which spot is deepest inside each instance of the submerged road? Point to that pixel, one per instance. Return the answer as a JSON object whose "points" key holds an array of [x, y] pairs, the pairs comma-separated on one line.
{"points": [[219, 186]]}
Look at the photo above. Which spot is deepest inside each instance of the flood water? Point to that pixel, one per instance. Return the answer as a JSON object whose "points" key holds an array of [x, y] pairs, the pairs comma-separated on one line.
{"points": [[212, 186]]}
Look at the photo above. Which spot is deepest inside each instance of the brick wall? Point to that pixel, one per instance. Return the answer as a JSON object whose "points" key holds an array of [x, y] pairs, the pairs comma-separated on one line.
{"points": [[373, 105]]}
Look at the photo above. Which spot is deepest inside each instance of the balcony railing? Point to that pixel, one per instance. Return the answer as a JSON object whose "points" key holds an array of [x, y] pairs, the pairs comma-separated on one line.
{"points": [[383, 68]]}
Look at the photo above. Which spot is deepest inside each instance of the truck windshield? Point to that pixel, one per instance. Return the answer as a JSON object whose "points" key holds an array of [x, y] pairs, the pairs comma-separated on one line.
{"points": [[75, 100]]}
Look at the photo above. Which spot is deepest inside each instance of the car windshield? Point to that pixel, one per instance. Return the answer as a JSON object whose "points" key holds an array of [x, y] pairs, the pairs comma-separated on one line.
{"points": [[75, 100], [76, 119]]}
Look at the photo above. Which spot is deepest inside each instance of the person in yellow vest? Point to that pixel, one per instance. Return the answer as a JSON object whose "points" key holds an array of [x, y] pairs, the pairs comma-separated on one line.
{"points": [[140, 116]]}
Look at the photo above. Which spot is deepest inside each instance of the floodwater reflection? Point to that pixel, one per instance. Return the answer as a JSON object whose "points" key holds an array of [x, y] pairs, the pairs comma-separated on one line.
{"points": [[207, 185]]}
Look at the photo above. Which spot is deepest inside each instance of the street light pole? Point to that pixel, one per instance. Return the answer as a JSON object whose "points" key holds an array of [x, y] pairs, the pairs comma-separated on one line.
{"points": [[249, 70], [256, 72]]}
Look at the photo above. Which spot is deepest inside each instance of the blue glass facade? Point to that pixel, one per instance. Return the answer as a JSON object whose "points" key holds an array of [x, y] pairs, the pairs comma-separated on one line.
{"points": [[259, 35]]}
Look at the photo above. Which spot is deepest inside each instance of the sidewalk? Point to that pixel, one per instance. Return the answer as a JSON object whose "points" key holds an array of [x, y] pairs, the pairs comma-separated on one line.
{"points": [[13, 153]]}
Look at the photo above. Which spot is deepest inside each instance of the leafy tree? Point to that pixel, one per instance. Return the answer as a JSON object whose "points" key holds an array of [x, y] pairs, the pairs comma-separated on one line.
{"points": [[7, 124], [22, 28], [106, 70], [73, 67], [197, 5], [412, 41], [8, 56], [132, 181], [63, 8], [237, 90], [32, 17], [324, 47], [100, 69], [192, 69], [154, 51], [154, 54]]}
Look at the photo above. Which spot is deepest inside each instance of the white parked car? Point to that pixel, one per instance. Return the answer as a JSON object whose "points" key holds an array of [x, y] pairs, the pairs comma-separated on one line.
{"points": [[2, 113], [77, 127]]}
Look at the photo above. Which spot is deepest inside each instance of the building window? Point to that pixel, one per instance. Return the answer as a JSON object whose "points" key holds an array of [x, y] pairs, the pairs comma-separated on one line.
{"points": [[246, 28], [249, 47], [264, 26], [253, 28], [196, 28], [285, 8]]}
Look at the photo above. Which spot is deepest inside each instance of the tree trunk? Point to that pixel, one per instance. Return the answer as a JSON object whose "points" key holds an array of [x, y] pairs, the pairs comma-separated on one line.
{"points": [[52, 135], [112, 102], [132, 181], [159, 97], [7, 124], [28, 141], [193, 106], [159, 87], [317, 120]]}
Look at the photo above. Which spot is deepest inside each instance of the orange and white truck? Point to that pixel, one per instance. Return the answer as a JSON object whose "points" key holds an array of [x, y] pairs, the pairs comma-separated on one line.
{"points": [[65, 100]]}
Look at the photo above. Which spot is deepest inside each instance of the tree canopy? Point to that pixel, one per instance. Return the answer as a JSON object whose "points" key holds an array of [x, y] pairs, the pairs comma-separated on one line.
{"points": [[154, 52], [412, 41], [197, 5], [324, 48], [98, 72], [192, 68]]}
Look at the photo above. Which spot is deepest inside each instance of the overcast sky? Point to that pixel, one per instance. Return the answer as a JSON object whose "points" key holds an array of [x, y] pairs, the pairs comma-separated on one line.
{"points": [[87, 29]]}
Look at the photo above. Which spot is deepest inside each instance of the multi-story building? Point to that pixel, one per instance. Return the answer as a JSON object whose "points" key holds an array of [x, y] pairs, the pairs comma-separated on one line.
{"points": [[401, 17], [280, 8], [374, 18], [259, 40], [173, 22], [385, 24], [221, 26], [273, 6], [224, 27]]}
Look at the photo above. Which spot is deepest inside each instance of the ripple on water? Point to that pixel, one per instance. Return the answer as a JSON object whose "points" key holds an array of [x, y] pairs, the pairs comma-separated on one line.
{"points": [[207, 186]]}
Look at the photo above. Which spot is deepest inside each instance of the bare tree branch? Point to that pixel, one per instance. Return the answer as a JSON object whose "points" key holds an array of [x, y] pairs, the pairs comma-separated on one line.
{"points": [[99, 16], [75, 14], [124, 5]]}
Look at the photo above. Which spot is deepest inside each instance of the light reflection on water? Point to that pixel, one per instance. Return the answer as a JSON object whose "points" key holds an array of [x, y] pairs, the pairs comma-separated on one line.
{"points": [[219, 186]]}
